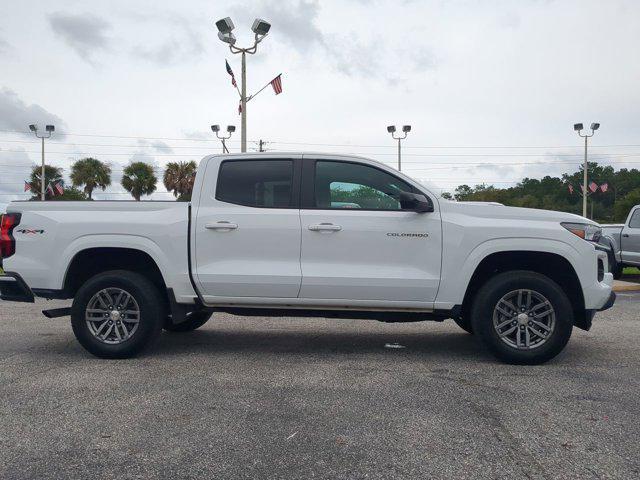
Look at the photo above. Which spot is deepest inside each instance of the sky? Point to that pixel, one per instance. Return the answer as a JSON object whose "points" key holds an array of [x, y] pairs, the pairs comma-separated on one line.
{"points": [[490, 88]]}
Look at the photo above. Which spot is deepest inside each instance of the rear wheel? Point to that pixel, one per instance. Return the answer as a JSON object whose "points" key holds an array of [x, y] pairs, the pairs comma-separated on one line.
{"points": [[194, 320], [117, 314], [522, 317]]}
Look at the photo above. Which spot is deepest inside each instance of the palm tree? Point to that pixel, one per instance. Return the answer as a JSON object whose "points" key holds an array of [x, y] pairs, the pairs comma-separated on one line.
{"points": [[91, 173], [179, 178], [139, 179], [52, 175]]}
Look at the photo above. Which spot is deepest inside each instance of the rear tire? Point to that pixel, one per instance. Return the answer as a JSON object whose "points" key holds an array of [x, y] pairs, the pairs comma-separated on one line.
{"points": [[194, 320], [117, 314], [522, 317]]}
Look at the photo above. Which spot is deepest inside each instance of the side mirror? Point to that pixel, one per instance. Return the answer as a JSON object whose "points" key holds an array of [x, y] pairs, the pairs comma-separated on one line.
{"points": [[415, 202]]}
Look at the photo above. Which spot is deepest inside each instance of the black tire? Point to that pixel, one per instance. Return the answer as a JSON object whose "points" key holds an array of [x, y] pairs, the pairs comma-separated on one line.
{"points": [[487, 299], [464, 322], [614, 267], [151, 313], [194, 320]]}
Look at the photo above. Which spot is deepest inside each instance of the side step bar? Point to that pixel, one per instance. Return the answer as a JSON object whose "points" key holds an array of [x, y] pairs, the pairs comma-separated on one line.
{"points": [[57, 312]]}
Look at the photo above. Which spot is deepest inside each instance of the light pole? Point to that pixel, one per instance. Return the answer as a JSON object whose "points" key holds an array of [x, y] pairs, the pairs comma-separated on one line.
{"points": [[578, 127], [260, 28], [230, 129], [49, 129], [392, 130]]}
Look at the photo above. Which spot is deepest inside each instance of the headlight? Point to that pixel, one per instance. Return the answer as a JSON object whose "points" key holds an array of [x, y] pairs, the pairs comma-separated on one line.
{"points": [[586, 231]]}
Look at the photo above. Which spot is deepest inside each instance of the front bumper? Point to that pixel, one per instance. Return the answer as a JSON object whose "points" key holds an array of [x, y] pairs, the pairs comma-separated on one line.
{"points": [[14, 289]]}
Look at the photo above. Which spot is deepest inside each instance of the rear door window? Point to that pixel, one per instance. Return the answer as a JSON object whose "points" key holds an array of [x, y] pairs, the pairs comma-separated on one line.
{"points": [[256, 183]]}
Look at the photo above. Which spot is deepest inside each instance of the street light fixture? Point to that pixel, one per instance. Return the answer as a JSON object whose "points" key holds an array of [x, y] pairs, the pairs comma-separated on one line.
{"points": [[392, 130], [230, 129], [261, 29], [578, 127], [49, 129]]}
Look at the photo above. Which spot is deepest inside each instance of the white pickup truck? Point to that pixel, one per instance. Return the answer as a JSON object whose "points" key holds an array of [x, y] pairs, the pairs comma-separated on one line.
{"points": [[283, 234]]}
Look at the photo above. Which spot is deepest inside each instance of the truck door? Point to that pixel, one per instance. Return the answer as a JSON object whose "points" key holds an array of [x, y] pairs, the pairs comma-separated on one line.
{"points": [[630, 239], [247, 229], [358, 244]]}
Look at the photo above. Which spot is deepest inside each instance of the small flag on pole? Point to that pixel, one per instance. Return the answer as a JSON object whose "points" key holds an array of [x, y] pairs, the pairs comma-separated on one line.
{"points": [[571, 189], [239, 107], [50, 190], [230, 72], [27, 186], [593, 186], [59, 188], [604, 187], [276, 83]]}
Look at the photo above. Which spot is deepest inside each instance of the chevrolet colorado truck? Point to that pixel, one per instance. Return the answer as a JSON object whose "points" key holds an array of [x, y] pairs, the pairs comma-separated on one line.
{"points": [[623, 242], [290, 234]]}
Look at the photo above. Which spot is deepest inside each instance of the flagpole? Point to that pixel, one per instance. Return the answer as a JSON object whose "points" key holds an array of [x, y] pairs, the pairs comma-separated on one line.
{"points": [[268, 83]]}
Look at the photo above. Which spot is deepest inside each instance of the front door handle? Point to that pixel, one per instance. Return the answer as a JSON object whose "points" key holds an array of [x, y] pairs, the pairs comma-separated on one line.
{"points": [[625, 235], [325, 227], [222, 225]]}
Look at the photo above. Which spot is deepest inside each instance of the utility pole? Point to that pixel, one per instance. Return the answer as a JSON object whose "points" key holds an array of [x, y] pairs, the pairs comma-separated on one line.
{"points": [[578, 127], [261, 145], [49, 129], [405, 129], [260, 28]]}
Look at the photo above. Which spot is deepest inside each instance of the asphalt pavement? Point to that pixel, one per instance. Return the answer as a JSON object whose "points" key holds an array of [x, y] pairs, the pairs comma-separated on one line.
{"points": [[311, 398]]}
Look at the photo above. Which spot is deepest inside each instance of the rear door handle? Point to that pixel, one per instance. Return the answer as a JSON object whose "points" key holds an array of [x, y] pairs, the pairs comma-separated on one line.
{"points": [[326, 227], [222, 225], [625, 235]]}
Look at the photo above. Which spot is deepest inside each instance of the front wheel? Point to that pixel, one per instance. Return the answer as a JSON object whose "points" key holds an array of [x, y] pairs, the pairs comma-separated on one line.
{"points": [[522, 317], [117, 314]]}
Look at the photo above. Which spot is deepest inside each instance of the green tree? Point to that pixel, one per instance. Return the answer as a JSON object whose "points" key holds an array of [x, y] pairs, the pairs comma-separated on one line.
{"points": [[179, 178], [71, 194], [138, 179], [625, 204], [52, 175], [92, 173]]}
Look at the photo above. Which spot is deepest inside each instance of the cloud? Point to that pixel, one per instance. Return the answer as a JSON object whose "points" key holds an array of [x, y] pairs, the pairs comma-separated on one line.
{"points": [[4, 46], [161, 147], [15, 114], [183, 45], [85, 33]]}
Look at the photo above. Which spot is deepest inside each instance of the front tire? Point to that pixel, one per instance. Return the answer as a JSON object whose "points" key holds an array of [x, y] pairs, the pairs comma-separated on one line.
{"points": [[117, 314], [522, 317]]}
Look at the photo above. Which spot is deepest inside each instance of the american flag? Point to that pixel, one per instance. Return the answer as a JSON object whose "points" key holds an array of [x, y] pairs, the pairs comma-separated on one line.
{"points": [[571, 189], [604, 187], [230, 72], [50, 190], [593, 186], [276, 83], [27, 186], [59, 188], [239, 107]]}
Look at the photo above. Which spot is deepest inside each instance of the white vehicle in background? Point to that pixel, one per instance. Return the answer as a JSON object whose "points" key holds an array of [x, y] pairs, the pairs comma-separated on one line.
{"points": [[307, 235], [624, 243]]}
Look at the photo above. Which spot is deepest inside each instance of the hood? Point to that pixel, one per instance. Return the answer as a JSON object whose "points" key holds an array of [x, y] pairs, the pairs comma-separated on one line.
{"points": [[499, 211]]}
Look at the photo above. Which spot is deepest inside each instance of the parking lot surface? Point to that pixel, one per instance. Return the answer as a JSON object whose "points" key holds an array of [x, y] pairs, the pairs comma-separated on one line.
{"points": [[308, 398]]}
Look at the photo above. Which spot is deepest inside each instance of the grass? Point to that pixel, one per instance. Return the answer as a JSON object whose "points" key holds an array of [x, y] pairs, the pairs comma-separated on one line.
{"points": [[631, 271]]}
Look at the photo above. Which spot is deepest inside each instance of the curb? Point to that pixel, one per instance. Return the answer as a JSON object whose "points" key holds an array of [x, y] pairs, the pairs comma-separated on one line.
{"points": [[627, 287]]}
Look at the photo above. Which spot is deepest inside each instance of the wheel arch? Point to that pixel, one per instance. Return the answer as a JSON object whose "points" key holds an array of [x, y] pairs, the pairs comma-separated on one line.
{"points": [[553, 265]]}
